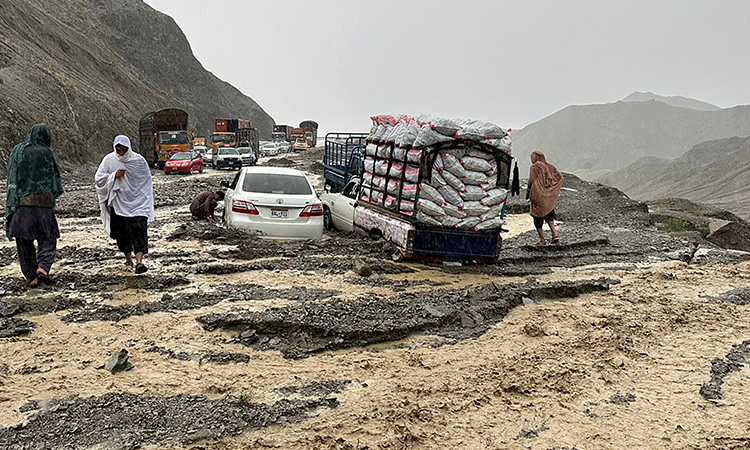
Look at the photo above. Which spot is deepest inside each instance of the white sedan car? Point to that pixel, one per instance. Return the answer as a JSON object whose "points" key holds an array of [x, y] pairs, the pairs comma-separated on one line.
{"points": [[338, 208], [278, 202]]}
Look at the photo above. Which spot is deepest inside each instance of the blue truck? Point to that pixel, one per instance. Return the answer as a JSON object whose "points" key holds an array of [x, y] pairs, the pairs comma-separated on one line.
{"points": [[342, 158]]}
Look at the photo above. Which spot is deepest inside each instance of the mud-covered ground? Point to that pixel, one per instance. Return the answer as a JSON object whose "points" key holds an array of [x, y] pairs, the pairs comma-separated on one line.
{"points": [[632, 333]]}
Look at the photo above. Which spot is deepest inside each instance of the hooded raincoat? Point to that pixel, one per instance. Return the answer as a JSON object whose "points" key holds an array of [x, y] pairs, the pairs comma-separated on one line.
{"points": [[32, 169], [545, 183], [129, 196]]}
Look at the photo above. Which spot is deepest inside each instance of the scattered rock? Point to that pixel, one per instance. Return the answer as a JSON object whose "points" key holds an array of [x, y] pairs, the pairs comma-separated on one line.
{"points": [[118, 362], [13, 326], [621, 399], [361, 268], [734, 361]]}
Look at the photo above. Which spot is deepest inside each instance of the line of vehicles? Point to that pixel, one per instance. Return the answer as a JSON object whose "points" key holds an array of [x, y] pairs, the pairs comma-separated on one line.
{"points": [[166, 144]]}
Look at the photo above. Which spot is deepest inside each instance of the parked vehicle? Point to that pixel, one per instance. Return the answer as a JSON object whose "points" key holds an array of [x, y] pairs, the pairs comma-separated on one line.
{"points": [[199, 141], [208, 157], [226, 157], [184, 162], [269, 149], [338, 207], [282, 133], [278, 202], [300, 145], [342, 158], [248, 156], [385, 211], [223, 139], [284, 147], [311, 132], [162, 134], [231, 125], [247, 137]]}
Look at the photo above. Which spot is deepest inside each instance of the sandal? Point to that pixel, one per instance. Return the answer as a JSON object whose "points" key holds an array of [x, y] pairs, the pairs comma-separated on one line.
{"points": [[556, 240], [43, 278], [141, 268], [129, 264], [33, 284]]}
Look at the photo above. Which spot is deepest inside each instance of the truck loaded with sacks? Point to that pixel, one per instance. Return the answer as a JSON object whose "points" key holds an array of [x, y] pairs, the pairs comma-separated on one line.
{"points": [[435, 187]]}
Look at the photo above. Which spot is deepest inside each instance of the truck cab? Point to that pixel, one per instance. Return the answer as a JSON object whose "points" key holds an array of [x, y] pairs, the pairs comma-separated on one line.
{"points": [[171, 142], [222, 139]]}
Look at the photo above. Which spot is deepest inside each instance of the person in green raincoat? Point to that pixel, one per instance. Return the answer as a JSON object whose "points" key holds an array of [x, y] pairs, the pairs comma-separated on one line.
{"points": [[33, 185]]}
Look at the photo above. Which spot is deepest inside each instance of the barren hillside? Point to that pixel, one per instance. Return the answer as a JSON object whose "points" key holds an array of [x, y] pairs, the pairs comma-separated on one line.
{"points": [[714, 172], [91, 68], [611, 136]]}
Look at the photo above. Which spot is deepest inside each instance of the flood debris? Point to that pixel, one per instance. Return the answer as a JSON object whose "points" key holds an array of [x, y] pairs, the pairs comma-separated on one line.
{"points": [[621, 399], [734, 361], [214, 357], [317, 389], [128, 421], [738, 296], [14, 326], [119, 362], [361, 268], [298, 331], [192, 300]]}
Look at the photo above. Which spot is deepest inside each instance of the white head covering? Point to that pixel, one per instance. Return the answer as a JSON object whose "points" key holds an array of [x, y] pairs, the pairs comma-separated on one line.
{"points": [[129, 196], [125, 141]]}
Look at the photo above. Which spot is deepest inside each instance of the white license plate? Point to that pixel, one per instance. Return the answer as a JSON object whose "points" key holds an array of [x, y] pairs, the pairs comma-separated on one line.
{"points": [[279, 213]]}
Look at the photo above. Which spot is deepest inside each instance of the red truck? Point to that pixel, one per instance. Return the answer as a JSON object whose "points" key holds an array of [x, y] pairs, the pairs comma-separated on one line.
{"points": [[231, 125], [282, 132]]}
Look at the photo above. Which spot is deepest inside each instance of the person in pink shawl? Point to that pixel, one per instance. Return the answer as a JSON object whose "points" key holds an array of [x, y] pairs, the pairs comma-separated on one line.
{"points": [[542, 191]]}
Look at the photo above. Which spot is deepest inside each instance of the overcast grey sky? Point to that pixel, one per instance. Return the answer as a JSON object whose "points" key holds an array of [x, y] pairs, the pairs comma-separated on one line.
{"points": [[512, 63]]}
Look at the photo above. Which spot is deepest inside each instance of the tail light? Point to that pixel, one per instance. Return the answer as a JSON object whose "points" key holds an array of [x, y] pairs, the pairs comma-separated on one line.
{"points": [[242, 206], [314, 210]]}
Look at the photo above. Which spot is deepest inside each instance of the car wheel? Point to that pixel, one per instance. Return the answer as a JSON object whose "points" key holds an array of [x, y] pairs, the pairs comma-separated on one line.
{"points": [[328, 220]]}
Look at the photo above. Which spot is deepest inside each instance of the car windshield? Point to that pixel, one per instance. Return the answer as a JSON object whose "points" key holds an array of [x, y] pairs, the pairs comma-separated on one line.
{"points": [[181, 156], [244, 150], [270, 183], [173, 138], [227, 151]]}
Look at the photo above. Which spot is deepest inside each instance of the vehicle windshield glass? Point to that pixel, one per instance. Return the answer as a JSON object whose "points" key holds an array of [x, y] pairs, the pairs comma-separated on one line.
{"points": [[268, 183], [244, 150], [173, 138], [227, 151], [181, 156], [223, 138]]}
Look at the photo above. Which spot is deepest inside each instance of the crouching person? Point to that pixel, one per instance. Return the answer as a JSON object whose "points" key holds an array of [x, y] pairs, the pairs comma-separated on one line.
{"points": [[33, 185], [126, 200], [204, 205]]}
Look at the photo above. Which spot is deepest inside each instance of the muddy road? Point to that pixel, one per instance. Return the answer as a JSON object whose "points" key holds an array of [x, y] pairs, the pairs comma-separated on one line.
{"points": [[630, 334]]}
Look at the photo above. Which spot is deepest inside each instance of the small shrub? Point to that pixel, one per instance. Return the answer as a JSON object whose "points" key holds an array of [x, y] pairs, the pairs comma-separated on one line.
{"points": [[675, 225]]}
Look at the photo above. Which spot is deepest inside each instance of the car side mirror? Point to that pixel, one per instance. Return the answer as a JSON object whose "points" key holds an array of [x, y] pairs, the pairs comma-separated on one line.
{"points": [[224, 184]]}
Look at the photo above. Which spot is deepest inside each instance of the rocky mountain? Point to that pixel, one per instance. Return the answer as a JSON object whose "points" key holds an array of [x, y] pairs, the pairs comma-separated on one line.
{"points": [[588, 138], [91, 68], [716, 172], [675, 100]]}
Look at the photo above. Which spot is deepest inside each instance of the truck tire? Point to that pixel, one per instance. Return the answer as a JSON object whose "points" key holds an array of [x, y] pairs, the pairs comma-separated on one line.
{"points": [[328, 220], [375, 234]]}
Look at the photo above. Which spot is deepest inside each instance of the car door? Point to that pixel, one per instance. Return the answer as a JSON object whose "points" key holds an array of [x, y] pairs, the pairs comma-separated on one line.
{"points": [[342, 207]]}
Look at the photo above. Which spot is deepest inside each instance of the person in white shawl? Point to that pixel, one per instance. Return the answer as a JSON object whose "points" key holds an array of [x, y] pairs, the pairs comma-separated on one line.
{"points": [[126, 199]]}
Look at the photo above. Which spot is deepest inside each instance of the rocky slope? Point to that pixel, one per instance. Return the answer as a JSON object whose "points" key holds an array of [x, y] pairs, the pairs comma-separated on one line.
{"points": [[674, 100], [610, 136], [715, 172], [91, 68]]}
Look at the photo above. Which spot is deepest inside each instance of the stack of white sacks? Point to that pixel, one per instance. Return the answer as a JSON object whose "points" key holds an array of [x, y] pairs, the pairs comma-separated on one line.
{"points": [[462, 191]]}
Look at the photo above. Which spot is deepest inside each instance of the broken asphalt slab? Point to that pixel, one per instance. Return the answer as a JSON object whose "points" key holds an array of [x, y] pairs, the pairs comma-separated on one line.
{"points": [[298, 331]]}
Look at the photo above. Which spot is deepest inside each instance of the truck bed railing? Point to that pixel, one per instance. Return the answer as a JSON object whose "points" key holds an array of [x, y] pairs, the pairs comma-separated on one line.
{"points": [[337, 156]]}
